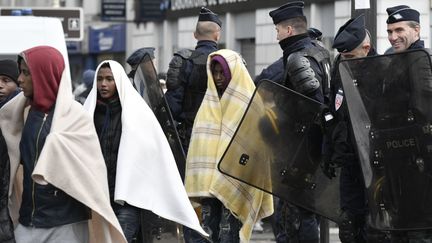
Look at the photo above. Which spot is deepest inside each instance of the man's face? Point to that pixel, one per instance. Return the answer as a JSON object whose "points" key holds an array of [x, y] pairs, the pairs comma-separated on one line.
{"points": [[361, 51], [401, 35], [7, 86], [283, 31], [218, 76], [105, 83], [25, 80]]}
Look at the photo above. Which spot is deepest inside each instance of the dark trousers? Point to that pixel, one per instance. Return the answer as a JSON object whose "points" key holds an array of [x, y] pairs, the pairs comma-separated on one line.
{"points": [[353, 203], [294, 224], [129, 219], [421, 236], [218, 222]]}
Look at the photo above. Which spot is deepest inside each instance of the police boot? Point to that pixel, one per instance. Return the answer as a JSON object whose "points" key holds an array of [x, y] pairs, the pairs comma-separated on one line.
{"points": [[351, 229]]}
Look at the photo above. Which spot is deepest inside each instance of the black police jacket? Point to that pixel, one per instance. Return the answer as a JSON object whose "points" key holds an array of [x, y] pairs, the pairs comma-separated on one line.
{"points": [[339, 147], [310, 87], [43, 206], [6, 227], [107, 119], [186, 92], [273, 72]]}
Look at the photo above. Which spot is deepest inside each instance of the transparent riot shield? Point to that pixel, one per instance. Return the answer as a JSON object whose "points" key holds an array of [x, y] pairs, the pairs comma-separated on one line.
{"points": [[154, 228], [389, 100], [149, 87], [277, 148]]}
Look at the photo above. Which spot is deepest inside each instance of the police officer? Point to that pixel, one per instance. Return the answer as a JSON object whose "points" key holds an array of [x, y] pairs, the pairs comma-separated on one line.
{"points": [[300, 54], [187, 83], [305, 71], [351, 41], [275, 71], [287, 220], [187, 76], [403, 29]]}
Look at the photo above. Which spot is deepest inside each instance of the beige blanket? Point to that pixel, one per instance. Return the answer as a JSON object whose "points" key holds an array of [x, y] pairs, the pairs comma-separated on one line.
{"points": [[71, 159]]}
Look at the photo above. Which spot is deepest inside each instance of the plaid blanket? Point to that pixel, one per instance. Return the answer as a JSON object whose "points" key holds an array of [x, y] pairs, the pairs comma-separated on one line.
{"points": [[214, 126]]}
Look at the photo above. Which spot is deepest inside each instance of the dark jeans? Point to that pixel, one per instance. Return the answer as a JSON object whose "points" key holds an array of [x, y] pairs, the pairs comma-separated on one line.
{"points": [[294, 224], [421, 236], [129, 219], [218, 222]]}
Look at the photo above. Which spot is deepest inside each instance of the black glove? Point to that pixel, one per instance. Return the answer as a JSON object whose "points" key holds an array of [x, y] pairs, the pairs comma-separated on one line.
{"points": [[328, 168]]}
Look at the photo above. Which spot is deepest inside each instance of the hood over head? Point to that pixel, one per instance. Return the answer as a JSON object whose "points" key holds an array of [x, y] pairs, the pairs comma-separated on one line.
{"points": [[46, 65]]}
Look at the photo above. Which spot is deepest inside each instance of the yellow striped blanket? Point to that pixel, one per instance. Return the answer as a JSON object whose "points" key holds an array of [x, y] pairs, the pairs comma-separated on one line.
{"points": [[214, 126]]}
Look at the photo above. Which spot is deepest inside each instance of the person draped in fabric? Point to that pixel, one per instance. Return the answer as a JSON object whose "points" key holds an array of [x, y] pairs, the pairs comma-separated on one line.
{"points": [[107, 119], [230, 208], [53, 138], [142, 173]]}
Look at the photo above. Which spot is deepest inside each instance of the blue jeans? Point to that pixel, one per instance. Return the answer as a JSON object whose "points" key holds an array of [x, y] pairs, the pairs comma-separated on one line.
{"points": [[218, 222], [129, 219]]}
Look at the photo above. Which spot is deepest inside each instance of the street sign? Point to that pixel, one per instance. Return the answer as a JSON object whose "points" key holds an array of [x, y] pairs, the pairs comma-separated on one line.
{"points": [[113, 10], [71, 18]]}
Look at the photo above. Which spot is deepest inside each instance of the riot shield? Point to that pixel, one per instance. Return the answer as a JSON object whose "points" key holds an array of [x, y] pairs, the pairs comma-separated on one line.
{"points": [[277, 148], [146, 78], [389, 101], [153, 227]]}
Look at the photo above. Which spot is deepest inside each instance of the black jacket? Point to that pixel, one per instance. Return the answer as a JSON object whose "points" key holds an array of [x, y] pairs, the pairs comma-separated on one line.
{"points": [[107, 119], [43, 206], [273, 72], [340, 147], [299, 43], [185, 93], [6, 227]]}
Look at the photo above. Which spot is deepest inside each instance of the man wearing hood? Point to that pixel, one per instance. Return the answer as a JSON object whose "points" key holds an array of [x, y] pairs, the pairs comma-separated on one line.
{"points": [[64, 184]]}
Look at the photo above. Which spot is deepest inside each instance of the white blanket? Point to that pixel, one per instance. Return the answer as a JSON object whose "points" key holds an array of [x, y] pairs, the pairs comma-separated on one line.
{"points": [[147, 175]]}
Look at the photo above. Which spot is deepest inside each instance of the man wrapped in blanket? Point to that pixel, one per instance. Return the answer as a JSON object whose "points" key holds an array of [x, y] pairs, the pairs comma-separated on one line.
{"points": [[229, 207]]}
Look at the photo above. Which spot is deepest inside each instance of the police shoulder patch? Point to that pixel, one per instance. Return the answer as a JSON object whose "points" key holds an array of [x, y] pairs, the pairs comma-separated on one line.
{"points": [[339, 99]]}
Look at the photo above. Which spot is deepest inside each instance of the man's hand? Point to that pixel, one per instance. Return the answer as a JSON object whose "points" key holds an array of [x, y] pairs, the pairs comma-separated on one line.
{"points": [[328, 168]]}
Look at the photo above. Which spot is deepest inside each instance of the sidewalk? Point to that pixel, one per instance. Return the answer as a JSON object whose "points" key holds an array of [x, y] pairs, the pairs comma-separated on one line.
{"points": [[267, 235]]}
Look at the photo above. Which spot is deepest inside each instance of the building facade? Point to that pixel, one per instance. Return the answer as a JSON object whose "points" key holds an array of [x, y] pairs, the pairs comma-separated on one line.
{"points": [[247, 27]]}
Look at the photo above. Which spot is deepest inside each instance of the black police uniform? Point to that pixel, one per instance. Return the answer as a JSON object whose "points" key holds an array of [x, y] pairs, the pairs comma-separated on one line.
{"points": [[187, 81], [339, 147], [186, 86], [397, 14], [304, 71]]}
